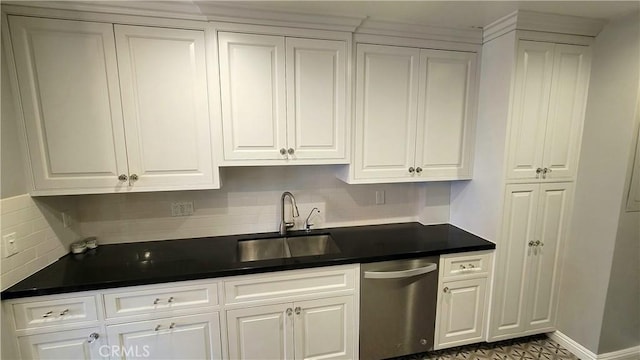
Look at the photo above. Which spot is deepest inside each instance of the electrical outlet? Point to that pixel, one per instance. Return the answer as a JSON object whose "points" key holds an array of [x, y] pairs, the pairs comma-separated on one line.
{"points": [[380, 197], [9, 244], [182, 208], [67, 221]]}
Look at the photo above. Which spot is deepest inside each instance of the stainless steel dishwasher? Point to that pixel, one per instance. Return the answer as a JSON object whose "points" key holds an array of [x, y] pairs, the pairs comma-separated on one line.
{"points": [[397, 307]]}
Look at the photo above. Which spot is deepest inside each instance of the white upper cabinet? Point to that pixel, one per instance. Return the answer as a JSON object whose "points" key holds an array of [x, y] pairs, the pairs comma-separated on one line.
{"points": [[68, 79], [284, 100], [316, 98], [82, 139], [253, 96], [548, 111], [414, 114], [445, 116], [386, 111], [164, 99]]}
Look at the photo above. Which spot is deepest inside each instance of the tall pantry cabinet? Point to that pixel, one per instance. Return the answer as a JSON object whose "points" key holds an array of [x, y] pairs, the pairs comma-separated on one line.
{"points": [[533, 92]]}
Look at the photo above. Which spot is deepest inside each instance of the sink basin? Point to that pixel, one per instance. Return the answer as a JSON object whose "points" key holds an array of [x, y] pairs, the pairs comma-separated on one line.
{"points": [[278, 248]]}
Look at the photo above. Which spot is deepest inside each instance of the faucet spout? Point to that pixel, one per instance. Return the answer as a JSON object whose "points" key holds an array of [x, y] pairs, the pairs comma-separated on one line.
{"points": [[284, 225]]}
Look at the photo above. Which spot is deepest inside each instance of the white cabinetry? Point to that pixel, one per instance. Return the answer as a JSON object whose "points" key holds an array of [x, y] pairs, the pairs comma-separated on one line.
{"points": [[462, 299], [415, 113], [319, 321], [78, 344], [526, 287], [548, 111], [284, 100], [194, 337], [73, 76]]}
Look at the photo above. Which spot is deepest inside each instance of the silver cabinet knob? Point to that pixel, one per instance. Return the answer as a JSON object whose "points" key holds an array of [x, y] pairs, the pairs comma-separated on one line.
{"points": [[423, 341], [445, 290], [531, 243], [123, 177], [471, 266], [291, 151], [537, 243], [172, 325], [411, 170], [47, 314], [298, 310], [544, 172], [283, 151], [93, 337], [170, 300], [462, 267], [64, 312], [156, 301], [133, 177], [418, 170], [538, 170], [157, 328], [289, 311]]}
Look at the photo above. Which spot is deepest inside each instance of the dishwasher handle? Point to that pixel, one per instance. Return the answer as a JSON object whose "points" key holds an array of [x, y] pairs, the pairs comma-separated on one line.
{"points": [[400, 274]]}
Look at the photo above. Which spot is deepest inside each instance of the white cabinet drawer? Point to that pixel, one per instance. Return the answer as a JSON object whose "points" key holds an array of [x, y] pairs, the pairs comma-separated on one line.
{"points": [[36, 314], [473, 264], [287, 284], [160, 299]]}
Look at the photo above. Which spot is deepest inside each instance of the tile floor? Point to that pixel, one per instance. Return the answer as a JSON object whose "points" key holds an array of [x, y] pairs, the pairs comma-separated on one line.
{"points": [[526, 348]]}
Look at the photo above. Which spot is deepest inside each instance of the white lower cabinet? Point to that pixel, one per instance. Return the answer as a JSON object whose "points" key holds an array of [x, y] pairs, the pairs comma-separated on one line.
{"points": [[314, 329], [87, 343], [526, 291], [462, 299], [181, 337]]}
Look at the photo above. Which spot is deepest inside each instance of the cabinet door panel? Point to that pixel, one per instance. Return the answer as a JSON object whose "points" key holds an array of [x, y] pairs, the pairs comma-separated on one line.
{"points": [[530, 109], [566, 110], [68, 78], [386, 110], [264, 332], [316, 98], [553, 211], [64, 345], [184, 337], [461, 311], [164, 97], [324, 329], [252, 77], [513, 255], [448, 84]]}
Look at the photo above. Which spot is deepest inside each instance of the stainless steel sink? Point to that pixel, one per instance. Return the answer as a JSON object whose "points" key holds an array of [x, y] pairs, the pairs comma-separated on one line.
{"points": [[278, 248]]}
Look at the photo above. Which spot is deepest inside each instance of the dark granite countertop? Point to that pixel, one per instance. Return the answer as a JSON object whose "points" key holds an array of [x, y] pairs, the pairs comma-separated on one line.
{"points": [[153, 262]]}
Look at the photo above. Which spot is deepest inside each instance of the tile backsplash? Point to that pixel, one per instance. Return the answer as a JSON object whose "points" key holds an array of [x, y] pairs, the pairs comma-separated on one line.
{"points": [[249, 201], [37, 243]]}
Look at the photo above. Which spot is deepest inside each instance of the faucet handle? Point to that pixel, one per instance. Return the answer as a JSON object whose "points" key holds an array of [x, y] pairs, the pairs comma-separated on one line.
{"points": [[307, 224]]}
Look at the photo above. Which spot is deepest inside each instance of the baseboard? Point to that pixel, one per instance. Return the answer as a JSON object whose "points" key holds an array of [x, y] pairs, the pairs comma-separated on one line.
{"points": [[585, 354], [568, 343], [624, 354]]}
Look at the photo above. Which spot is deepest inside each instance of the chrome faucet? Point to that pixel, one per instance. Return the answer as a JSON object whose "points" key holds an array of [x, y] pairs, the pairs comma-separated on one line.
{"points": [[284, 225]]}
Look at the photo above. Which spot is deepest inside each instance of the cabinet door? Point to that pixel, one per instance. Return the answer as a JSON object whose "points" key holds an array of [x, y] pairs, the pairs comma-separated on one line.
{"points": [[530, 108], [183, 337], [65, 345], [386, 111], [164, 97], [446, 114], [461, 311], [316, 98], [252, 77], [68, 79], [552, 222], [264, 332], [513, 253], [324, 329], [566, 111]]}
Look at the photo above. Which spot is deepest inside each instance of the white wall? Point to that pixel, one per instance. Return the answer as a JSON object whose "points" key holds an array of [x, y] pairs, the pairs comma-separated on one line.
{"points": [[249, 201], [599, 196]]}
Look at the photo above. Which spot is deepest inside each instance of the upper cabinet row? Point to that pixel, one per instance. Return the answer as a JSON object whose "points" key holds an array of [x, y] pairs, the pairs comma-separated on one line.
{"points": [[121, 108], [113, 108]]}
